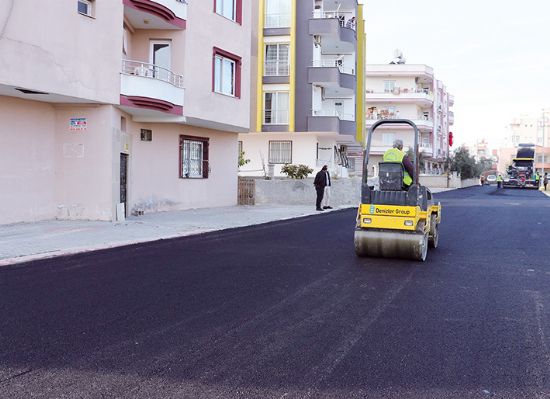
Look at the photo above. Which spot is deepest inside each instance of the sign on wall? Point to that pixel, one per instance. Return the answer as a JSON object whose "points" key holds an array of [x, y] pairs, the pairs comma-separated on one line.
{"points": [[78, 124]]}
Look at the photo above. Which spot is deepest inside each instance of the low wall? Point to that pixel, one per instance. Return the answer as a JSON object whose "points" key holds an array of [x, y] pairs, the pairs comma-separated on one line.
{"points": [[343, 191], [300, 192], [470, 182]]}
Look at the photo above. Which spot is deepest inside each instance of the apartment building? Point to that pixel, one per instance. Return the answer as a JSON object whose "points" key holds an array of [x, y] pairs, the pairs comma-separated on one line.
{"points": [[412, 92], [527, 129], [310, 71], [116, 107]]}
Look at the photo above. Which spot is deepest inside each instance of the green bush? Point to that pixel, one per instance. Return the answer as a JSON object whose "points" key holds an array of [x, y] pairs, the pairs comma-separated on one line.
{"points": [[296, 171], [242, 160]]}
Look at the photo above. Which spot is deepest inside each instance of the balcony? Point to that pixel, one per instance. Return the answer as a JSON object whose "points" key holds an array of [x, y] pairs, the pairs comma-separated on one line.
{"points": [[401, 95], [150, 92], [422, 123], [156, 14], [451, 100], [337, 79], [426, 149], [331, 28], [424, 73], [335, 122]]}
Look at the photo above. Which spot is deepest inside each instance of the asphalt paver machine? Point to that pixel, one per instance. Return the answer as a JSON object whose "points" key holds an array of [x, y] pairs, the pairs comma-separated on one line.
{"points": [[393, 222]]}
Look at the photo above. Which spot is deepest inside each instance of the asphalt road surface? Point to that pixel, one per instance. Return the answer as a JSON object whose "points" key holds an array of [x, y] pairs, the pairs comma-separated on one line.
{"points": [[286, 310]]}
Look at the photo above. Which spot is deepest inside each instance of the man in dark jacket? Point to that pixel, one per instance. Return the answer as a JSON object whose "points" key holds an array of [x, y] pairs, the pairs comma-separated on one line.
{"points": [[320, 183]]}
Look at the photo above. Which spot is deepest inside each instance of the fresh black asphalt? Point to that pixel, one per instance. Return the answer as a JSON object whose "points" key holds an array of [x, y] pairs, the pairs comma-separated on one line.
{"points": [[286, 310]]}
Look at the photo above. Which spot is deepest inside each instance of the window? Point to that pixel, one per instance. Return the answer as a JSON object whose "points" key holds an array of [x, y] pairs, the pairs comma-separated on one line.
{"points": [[276, 108], [240, 147], [389, 86], [277, 14], [388, 138], [160, 55], [194, 157], [227, 73], [146, 135], [230, 9], [85, 7], [276, 60], [280, 152]]}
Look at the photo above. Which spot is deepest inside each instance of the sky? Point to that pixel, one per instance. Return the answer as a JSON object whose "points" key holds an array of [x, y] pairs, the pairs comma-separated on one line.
{"points": [[493, 55]]}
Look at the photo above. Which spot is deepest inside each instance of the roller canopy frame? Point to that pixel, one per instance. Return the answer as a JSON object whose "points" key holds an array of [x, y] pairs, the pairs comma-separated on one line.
{"points": [[365, 190]]}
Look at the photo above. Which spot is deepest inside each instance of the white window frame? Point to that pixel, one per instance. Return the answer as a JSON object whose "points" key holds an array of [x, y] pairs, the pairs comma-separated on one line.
{"points": [[388, 138], [281, 68], [186, 159], [160, 72], [219, 82], [220, 9], [281, 17], [276, 110], [389, 86], [89, 7], [282, 157]]}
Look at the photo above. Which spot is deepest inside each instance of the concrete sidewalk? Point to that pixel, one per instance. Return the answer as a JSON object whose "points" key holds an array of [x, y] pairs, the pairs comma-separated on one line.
{"points": [[32, 241]]}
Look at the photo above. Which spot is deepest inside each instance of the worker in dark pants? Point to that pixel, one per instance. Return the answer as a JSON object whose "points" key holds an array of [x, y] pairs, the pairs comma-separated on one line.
{"points": [[499, 181], [320, 183]]}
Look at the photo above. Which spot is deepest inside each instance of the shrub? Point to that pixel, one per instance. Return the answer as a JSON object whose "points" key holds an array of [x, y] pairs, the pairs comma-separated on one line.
{"points": [[242, 160], [296, 171]]}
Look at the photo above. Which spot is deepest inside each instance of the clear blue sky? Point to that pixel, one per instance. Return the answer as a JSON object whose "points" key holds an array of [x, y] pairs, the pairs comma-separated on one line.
{"points": [[494, 56]]}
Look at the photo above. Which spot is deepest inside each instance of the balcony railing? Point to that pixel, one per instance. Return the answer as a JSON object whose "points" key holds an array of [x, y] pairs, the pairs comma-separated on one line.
{"points": [[333, 63], [277, 21], [276, 68], [341, 115], [344, 17], [276, 117], [143, 69], [400, 90]]}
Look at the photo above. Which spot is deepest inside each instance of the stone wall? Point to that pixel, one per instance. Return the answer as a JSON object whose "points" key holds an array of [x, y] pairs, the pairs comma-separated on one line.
{"points": [[299, 192]]}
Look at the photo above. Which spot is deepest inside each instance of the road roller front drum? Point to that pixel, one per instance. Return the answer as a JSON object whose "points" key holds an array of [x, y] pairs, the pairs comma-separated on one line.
{"points": [[389, 244]]}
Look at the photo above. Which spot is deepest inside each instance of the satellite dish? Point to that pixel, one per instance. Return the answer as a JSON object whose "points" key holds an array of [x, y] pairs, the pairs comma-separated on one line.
{"points": [[398, 57]]}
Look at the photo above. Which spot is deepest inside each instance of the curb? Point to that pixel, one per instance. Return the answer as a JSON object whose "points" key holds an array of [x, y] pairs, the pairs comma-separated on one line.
{"points": [[86, 249]]}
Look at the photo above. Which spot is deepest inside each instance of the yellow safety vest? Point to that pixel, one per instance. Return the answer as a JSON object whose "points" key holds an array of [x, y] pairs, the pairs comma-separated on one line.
{"points": [[499, 178], [396, 155]]}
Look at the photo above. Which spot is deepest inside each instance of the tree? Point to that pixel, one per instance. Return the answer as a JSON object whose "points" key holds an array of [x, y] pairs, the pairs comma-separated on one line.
{"points": [[468, 166], [465, 164]]}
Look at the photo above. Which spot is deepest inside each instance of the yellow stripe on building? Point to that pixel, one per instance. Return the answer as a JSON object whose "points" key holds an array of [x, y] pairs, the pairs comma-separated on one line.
{"points": [[360, 110], [259, 83], [292, 92]]}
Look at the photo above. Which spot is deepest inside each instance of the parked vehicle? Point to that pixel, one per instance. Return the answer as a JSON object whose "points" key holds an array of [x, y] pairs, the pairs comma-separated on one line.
{"points": [[491, 179]]}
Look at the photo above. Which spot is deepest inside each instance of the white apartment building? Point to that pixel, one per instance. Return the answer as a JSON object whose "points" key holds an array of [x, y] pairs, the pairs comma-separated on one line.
{"points": [[116, 107], [527, 129], [403, 91]]}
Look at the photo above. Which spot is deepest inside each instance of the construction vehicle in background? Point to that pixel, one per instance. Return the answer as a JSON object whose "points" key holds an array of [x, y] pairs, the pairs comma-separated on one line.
{"points": [[393, 222], [521, 174]]}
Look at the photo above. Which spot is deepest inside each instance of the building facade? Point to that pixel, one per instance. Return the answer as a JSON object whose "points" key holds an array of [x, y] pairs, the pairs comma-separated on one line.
{"points": [[403, 91], [309, 106], [128, 106], [527, 129]]}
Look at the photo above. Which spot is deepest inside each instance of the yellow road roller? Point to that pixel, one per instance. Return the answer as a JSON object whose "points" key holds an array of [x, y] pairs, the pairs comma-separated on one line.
{"points": [[394, 221]]}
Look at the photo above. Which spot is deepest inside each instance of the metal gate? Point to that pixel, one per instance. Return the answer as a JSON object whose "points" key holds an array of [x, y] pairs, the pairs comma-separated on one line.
{"points": [[247, 188]]}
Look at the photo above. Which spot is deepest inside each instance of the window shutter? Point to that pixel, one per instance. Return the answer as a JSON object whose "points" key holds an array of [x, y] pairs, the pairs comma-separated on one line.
{"points": [[205, 163]]}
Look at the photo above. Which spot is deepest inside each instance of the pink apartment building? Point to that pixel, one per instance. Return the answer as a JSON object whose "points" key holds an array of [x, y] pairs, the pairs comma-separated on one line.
{"points": [[133, 102]]}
